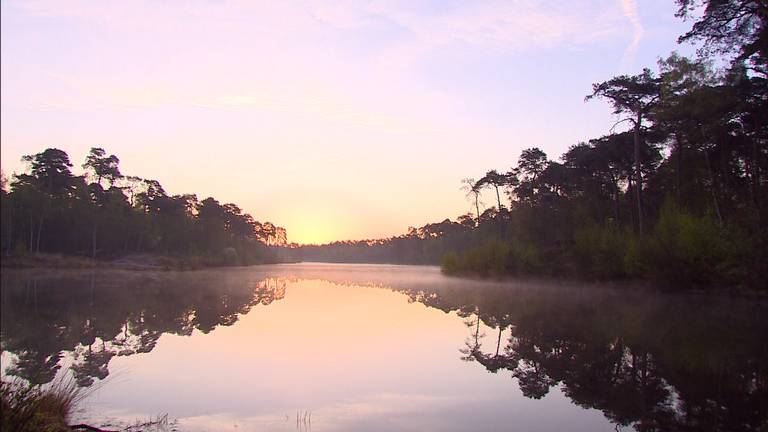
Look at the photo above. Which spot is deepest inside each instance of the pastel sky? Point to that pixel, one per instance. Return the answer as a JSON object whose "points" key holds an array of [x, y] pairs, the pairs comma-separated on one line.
{"points": [[335, 119]]}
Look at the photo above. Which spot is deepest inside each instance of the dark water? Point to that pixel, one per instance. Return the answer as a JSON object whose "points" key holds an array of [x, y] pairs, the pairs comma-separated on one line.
{"points": [[358, 347]]}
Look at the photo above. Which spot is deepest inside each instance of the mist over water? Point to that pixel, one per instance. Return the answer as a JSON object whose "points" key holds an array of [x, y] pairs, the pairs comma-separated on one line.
{"points": [[374, 347]]}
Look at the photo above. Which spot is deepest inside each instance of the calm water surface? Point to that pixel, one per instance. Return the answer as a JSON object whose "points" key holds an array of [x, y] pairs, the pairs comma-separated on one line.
{"points": [[381, 348]]}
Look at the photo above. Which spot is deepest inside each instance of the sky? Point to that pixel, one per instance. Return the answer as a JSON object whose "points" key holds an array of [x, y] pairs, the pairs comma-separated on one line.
{"points": [[334, 119]]}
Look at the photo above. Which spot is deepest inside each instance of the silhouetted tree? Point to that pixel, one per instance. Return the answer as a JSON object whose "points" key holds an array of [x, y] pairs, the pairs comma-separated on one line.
{"points": [[473, 191], [634, 96]]}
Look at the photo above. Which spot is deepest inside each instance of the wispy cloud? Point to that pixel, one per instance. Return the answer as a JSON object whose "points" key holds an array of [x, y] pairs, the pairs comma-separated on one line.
{"points": [[630, 11], [357, 85], [515, 25]]}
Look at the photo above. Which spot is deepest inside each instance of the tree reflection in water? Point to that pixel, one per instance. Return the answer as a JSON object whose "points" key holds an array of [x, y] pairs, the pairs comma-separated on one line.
{"points": [[646, 360], [45, 317], [650, 361]]}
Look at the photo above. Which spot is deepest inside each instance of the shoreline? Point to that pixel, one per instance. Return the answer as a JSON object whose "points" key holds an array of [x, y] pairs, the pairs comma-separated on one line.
{"points": [[134, 262], [166, 263]]}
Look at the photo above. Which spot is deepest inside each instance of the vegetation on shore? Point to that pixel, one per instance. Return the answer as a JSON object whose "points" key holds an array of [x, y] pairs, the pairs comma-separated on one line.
{"points": [[106, 216], [28, 407], [680, 196], [132, 262], [36, 408]]}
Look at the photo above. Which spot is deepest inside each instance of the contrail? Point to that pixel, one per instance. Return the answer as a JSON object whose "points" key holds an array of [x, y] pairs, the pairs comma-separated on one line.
{"points": [[630, 11]]}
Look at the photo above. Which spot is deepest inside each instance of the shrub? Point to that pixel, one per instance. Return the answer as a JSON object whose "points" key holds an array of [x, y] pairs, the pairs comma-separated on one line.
{"points": [[689, 249], [33, 408], [525, 258], [449, 264], [494, 258], [602, 251]]}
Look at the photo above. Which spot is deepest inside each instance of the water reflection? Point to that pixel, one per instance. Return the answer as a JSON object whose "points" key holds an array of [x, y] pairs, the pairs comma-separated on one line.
{"points": [[655, 362], [95, 318], [647, 361]]}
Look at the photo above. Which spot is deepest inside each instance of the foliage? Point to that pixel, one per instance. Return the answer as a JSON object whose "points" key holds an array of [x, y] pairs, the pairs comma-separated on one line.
{"points": [[728, 27], [51, 210], [679, 196], [690, 249], [648, 362], [36, 408], [103, 315], [488, 259], [602, 251]]}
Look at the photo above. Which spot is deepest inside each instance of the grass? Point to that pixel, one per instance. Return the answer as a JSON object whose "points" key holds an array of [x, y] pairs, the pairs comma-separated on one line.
{"points": [[160, 423], [28, 408], [47, 261]]}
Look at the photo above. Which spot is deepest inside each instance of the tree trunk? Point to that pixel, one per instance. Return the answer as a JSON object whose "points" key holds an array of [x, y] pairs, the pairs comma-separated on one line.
{"points": [[711, 175], [10, 235], [751, 174], [477, 331], [630, 193], [755, 175], [715, 202], [678, 170], [615, 184], [39, 232], [31, 247], [638, 177], [93, 242], [498, 342]]}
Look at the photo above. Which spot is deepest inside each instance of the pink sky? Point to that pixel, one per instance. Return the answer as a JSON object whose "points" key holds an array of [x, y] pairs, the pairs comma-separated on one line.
{"points": [[336, 120]]}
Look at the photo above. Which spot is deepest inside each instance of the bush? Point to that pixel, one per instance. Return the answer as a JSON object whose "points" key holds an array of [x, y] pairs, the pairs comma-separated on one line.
{"points": [[689, 249], [602, 251], [494, 258], [450, 264], [525, 258], [34, 408]]}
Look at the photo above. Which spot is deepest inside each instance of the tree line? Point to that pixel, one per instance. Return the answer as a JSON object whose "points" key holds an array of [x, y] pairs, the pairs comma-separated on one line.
{"points": [[676, 190], [104, 214], [619, 353], [99, 318]]}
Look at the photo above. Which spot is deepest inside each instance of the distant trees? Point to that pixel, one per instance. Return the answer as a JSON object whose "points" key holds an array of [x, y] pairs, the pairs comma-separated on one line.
{"points": [[473, 191], [701, 219], [737, 27], [45, 191], [495, 180], [588, 346], [103, 166], [530, 165], [679, 197], [633, 96], [97, 320], [107, 214]]}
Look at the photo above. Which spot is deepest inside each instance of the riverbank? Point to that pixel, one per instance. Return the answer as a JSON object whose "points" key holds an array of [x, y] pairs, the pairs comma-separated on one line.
{"points": [[141, 262]]}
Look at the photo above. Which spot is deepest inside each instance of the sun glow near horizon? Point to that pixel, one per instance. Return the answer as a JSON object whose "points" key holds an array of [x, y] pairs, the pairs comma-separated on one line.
{"points": [[308, 232], [348, 121]]}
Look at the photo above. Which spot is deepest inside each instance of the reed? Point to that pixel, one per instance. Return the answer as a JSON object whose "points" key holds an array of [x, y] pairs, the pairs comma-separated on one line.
{"points": [[28, 408]]}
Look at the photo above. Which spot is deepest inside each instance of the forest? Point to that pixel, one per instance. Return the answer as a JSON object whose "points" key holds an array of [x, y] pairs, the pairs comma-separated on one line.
{"points": [[617, 352], [104, 214], [675, 191]]}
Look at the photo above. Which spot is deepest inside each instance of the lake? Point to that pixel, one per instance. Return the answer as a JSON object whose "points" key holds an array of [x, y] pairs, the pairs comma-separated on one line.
{"points": [[337, 347]]}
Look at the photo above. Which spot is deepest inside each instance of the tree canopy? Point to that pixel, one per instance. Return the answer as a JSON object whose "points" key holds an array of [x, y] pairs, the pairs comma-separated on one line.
{"points": [[50, 209]]}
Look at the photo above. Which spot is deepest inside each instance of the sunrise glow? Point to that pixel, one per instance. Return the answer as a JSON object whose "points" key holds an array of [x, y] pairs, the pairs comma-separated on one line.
{"points": [[322, 117]]}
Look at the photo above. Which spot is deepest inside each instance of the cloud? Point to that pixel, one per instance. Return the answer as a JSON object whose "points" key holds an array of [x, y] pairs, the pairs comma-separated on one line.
{"points": [[508, 25], [630, 11]]}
